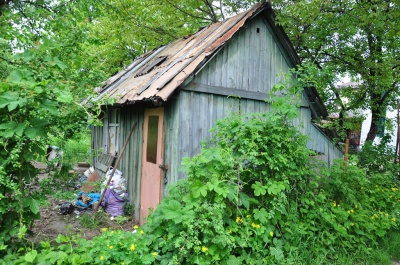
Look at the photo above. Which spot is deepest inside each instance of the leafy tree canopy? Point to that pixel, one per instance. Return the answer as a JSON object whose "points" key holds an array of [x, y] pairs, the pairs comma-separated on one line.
{"points": [[359, 39]]}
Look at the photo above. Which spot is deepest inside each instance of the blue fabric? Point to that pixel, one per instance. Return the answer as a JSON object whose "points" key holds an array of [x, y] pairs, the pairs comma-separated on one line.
{"points": [[95, 197]]}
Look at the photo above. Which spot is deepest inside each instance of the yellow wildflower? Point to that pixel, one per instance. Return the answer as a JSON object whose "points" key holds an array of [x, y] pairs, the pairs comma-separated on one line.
{"points": [[141, 232], [248, 216], [352, 210], [394, 219], [334, 204], [154, 253], [101, 257], [110, 247], [271, 234], [132, 247], [238, 219], [204, 249], [386, 214], [136, 227], [253, 225], [112, 232], [104, 229], [230, 231], [349, 211], [258, 226]]}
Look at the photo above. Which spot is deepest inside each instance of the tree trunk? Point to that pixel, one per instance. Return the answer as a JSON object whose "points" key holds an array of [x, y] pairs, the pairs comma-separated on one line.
{"points": [[373, 128]]}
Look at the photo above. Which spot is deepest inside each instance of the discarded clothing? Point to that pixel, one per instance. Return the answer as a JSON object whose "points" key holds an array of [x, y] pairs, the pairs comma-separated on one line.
{"points": [[117, 183], [113, 203], [87, 199]]}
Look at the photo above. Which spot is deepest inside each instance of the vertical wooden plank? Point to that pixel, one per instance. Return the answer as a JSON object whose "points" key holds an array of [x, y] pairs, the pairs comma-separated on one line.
{"points": [[175, 161], [233, 63], [105, 134], [214, 107], [184, 120], [194, 116]]}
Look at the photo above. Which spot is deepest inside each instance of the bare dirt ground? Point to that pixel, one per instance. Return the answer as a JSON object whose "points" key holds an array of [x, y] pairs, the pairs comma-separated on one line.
{"points": [[52, 223]]}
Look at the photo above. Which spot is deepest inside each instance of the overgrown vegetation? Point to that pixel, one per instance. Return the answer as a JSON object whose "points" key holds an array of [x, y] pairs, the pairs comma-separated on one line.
{"points": [[250, 196], [93, 220], [255, 196]]}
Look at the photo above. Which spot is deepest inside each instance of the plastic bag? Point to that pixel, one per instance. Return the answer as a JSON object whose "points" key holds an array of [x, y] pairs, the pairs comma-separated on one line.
{"points": [[66, 208]]}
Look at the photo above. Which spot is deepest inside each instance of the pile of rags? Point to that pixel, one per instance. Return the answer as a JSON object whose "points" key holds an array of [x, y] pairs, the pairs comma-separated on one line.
{"points": [[86, 200], [115, 195]]}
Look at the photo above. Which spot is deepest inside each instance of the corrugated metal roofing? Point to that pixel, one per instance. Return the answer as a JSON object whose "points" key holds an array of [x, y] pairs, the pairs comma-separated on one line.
{"points": [[156, 74]]}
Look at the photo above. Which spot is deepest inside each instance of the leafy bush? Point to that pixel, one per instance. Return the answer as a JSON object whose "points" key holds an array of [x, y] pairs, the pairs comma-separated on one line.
{"points": [[76, 149], [254, 196]]}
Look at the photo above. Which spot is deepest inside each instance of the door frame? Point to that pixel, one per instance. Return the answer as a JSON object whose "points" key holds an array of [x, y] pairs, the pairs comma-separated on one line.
{"points": [[151, 173]]}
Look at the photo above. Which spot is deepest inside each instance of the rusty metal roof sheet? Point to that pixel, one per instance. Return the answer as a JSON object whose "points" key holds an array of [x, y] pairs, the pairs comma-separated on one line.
{"points": [[156, 74]]}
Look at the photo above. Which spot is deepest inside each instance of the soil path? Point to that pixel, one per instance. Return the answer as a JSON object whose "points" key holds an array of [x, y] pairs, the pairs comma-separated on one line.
{"points": [[52, 222]]}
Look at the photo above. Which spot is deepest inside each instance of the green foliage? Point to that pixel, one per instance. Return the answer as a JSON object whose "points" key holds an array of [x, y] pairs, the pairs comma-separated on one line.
{"points": [[121, 219], [254, 196], [36, 101], [93, 220], [129, 208], [354, 39], [75, 149]]}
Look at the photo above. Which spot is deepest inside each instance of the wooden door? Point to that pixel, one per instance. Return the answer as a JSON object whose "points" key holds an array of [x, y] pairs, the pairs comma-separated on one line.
{"points": [[153, 146]]}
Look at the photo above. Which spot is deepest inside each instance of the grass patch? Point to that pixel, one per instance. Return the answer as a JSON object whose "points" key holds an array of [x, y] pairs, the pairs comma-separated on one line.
{"points": [[93, 220], [387, 251], [391, 245]]}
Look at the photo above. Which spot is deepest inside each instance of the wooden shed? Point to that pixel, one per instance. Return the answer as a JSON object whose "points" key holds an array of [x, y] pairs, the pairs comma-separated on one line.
{"points": [[175, 94]]}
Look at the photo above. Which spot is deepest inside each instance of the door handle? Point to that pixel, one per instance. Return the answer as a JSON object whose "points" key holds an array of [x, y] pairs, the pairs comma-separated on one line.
{"points": [[164, 168]]}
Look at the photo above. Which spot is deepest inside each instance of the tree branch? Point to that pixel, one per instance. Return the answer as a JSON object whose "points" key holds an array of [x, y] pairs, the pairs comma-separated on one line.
{"points": [[38, 5], [187, 13], [211, 11], [3, 3], [8, 61]]}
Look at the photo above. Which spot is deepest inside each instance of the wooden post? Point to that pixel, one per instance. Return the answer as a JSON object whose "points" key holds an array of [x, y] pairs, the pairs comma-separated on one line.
{"points": [[346, 151], [115, 168], [398, 134]]}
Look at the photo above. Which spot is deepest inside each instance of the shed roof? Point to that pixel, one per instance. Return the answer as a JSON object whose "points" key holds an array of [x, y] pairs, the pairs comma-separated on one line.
{"points": [[155, 75]]}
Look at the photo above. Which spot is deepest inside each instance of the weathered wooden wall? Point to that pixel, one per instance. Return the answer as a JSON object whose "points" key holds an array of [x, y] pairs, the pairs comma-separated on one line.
{"points": [[130, 163], [252, 60], [237, 79]]}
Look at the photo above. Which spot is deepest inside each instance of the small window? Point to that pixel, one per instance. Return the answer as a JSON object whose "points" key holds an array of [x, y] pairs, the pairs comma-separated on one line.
{"points": [[111, 126], [152, 138]]}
